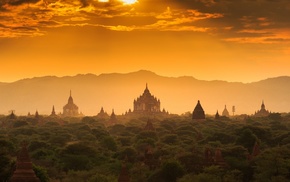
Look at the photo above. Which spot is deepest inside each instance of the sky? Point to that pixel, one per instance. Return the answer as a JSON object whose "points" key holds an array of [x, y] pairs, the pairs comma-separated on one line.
{"points": [[232, 40]]}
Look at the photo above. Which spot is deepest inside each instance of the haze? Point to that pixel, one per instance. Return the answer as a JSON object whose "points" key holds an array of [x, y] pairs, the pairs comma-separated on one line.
{"points": [[118, 91], [211, 40]]}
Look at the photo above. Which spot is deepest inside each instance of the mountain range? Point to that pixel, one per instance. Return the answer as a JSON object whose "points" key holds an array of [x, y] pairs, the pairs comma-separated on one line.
{"points": [[117, 91]]}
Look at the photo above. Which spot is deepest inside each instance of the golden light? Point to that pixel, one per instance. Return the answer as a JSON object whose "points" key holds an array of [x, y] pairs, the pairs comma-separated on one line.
{"points": [[129, 1], [103, 1]]}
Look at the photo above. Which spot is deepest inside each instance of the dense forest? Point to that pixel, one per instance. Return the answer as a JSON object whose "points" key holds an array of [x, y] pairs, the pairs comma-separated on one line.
{"points": [[154, 149]]}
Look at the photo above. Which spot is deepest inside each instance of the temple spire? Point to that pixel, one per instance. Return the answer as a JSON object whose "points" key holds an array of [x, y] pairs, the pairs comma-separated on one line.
{"points": [[53, 111], [70, 109], [263, 105], [146, 89]]}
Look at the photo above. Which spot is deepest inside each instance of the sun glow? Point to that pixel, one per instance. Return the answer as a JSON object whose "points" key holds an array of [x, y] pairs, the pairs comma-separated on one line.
{"points": [[129, 1]]}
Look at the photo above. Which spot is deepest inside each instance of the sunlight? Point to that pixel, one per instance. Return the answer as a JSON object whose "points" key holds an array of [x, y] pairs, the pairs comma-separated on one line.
{"points": [[129, 1]]}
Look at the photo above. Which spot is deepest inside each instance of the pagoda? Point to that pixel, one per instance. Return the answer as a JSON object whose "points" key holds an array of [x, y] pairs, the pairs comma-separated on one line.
{"points": [[198, 112], [217, 115], [24, 170], [124, 175], [262, 112], [255, 152], [102, 114], [226, 112], [113, 119], [70, 109], [146, 103], [53, 114], [218, 158]]}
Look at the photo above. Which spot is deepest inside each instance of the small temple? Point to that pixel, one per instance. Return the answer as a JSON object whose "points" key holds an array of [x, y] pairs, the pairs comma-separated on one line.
{"points": [[215, 158], [70, 109], [12, 115], [102, 114], [24, 170], [262, 112], [198, 112], [53, 114], [218, 158], [146, 103], [124, 174], [226, 112], [217, 115], [113, 119], [255, 152], [36, 114]]}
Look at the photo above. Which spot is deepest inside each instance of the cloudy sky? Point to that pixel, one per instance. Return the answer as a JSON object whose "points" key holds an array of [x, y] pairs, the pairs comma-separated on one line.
{"points": [[233, 40]]}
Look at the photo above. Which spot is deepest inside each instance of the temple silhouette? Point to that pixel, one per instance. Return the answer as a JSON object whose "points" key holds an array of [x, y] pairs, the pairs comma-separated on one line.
{"points": [[262, 112], [198, 112], [53, 114], [226, 112], [70, 109], [146, 103]]}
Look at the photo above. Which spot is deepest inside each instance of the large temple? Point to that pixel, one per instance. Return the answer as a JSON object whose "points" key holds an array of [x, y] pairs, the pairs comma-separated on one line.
{"points": [[146, 103], [262, 112], [70, 109]]}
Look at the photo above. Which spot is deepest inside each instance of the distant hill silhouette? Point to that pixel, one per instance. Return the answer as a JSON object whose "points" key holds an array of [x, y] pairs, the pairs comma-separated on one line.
{"points": [[117, 91]]}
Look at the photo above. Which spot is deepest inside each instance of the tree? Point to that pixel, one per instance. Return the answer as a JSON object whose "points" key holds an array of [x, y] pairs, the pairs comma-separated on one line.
{"points": [[273, 164], [247, 139], [172, 170], [109, 143], [41, 173]]}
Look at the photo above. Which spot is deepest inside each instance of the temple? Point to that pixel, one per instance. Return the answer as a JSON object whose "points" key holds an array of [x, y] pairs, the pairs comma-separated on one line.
{"points": [[70, 109], [262, 112], [53, 114], [113, 119], [226, 112], [124, 174], [36, 114], [255, 152], [217, 115], [24, 170], [146, 103], [198, 112], [102, 114], [12, 115]]}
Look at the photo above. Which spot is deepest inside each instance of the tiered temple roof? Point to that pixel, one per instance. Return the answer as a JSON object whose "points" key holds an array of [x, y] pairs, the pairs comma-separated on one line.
{"points": [[262, 112], [70, 109], [24, 171], [146, 103]]}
